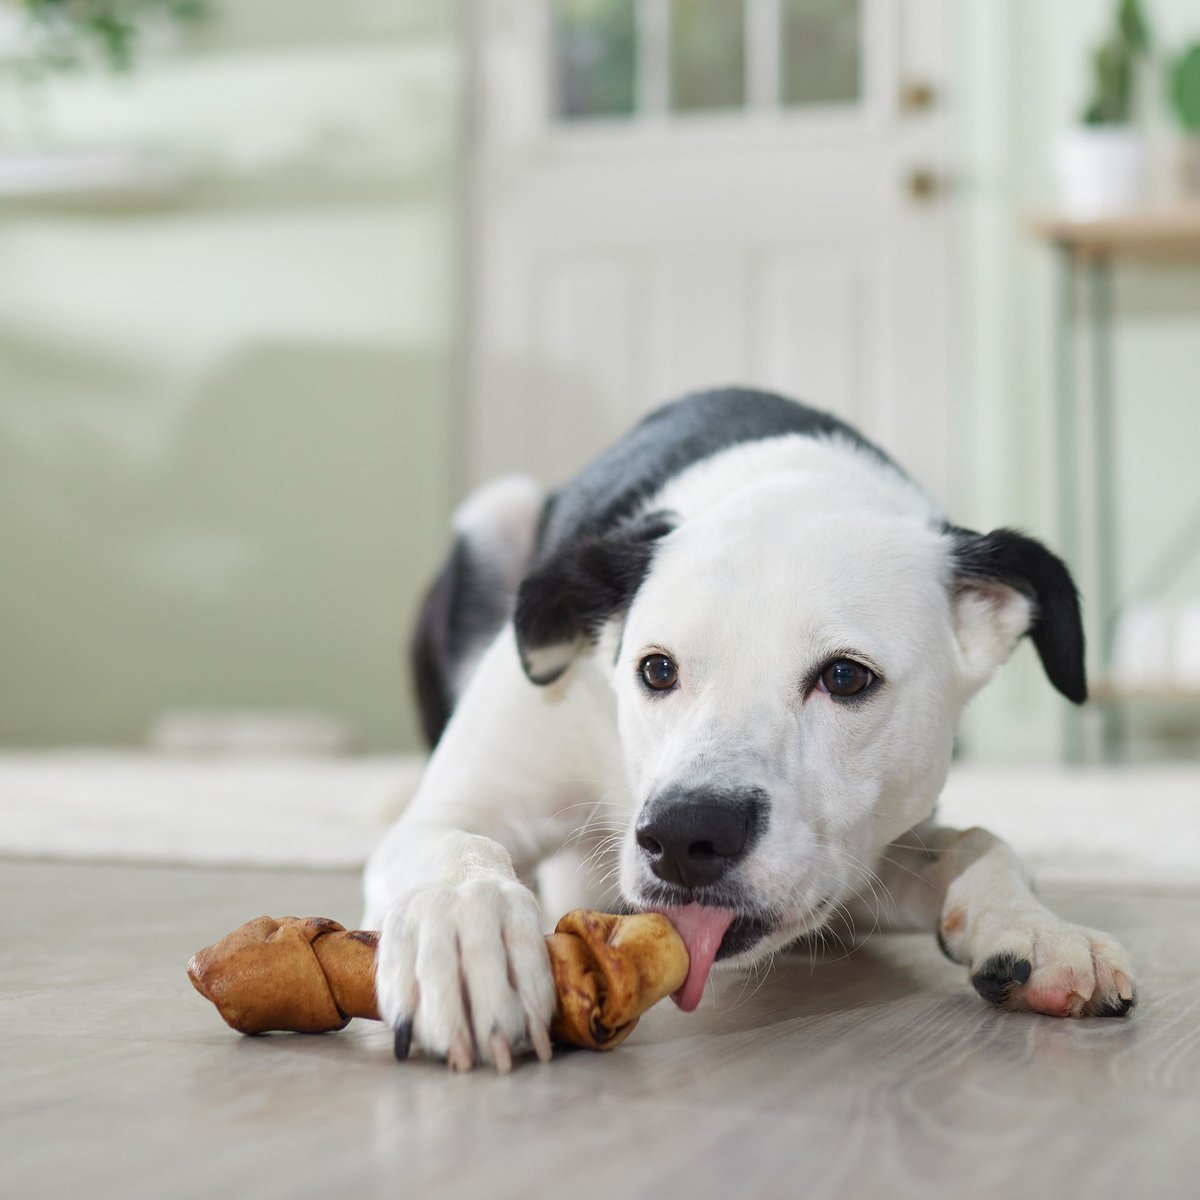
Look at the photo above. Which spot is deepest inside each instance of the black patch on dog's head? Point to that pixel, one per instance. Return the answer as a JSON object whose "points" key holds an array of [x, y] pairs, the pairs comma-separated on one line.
{"points": [[1013, 560], [565, 600]]}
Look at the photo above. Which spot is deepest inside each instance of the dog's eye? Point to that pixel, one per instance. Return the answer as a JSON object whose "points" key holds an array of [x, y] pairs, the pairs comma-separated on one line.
{"points": [[845, 677], [658, 672]]}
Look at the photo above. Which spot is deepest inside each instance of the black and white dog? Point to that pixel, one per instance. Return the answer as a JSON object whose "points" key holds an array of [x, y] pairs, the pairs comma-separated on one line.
{"points": [[716, 676]]}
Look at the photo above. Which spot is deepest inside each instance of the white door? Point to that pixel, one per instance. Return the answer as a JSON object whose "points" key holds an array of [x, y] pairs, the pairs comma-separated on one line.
{"points": [[673, 194]]}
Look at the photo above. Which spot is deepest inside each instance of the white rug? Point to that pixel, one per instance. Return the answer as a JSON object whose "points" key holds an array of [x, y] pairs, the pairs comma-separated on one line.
{"points": [[1136, 826], [115, 807], [1131, 827]]}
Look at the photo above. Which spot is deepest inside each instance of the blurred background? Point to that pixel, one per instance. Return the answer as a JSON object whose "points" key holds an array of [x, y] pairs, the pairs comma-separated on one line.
{"points": [[280, 280]]}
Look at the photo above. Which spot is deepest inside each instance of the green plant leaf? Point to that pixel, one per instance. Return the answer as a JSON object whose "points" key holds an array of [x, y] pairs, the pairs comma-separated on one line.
{"points": [[1183, 88], [70, 34], [1131, 21], [1112, 99]]}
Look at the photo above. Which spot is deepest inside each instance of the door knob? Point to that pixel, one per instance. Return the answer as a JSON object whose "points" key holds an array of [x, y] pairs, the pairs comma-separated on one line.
{"points": [[924, 184], [917, 95]]}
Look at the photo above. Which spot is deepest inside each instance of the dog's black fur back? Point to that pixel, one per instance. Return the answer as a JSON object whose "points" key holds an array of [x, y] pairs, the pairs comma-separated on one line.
{"points": [[668, 441]]}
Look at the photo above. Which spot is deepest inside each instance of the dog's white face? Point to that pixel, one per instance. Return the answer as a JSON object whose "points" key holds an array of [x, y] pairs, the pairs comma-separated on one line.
{"points": [[813, 669]]}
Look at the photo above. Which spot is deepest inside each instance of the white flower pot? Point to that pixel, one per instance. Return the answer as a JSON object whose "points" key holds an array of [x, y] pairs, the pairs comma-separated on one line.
{"points": [[1102, 170]]}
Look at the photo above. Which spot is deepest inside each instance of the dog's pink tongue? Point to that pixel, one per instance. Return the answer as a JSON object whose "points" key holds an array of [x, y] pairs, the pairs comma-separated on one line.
{"points": [[702, 929]]}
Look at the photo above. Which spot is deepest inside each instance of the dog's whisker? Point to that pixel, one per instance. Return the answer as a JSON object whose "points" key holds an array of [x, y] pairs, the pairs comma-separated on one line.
{"points": [[917, 875], [593, 862], [609, 877]]}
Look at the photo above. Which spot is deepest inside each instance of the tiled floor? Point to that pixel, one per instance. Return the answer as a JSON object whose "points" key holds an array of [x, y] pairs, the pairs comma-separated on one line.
{"points": [[880, 1074]]}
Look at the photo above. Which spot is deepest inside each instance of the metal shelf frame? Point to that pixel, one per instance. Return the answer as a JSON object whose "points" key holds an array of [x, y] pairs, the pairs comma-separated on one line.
{"points": [[1087, 255]]}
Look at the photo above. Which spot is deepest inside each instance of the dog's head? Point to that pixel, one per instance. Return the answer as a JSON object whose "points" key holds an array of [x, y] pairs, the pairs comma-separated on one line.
{"points": [[789, 672]]}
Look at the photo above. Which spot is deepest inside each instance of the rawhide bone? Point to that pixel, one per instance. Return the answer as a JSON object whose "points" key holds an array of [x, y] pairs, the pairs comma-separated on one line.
{"points": [[311, 975]]}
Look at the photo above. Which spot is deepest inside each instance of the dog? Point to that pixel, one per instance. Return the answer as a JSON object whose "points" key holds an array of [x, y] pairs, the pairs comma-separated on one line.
{"points": [[716, 676]]}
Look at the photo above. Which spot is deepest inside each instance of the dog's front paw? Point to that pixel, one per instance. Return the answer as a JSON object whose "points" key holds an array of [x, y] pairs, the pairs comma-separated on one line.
{"points": [[1034, 962], [463, 973]]}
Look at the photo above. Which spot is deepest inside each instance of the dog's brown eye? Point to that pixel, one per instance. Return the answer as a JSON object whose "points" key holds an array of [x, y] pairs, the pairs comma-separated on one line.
{"points": [[845, 677], [658, 672]]}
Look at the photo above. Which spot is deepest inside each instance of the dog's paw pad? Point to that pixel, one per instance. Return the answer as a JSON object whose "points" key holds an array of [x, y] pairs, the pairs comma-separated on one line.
{"points": [[1000, 977]]}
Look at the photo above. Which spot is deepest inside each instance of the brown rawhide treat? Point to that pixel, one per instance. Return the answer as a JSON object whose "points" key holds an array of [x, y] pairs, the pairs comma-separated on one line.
{"points": [[302, 974], [311, 975], [609, 970]]}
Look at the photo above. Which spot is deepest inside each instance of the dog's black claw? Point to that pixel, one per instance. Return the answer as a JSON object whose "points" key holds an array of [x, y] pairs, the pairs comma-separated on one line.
{"points": [[999, 975], [403, 1041], [1118, 1007]]}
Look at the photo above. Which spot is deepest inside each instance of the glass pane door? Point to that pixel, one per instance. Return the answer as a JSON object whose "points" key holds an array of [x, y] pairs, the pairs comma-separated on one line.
{"points": [[626, 59], [707, 55], [595, 55], [821, 52]]}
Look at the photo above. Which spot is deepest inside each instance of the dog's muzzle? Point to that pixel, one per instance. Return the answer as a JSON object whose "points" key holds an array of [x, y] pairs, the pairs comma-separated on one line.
{"points": [[693, 838]]}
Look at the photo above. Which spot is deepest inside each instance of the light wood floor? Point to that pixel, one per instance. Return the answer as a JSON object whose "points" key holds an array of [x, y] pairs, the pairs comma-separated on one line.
{"points": [[880, 1074]]}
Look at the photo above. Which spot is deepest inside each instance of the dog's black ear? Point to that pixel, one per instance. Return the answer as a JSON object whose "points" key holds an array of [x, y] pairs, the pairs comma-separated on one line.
{"points": [[1020, 587], [564, 602]]}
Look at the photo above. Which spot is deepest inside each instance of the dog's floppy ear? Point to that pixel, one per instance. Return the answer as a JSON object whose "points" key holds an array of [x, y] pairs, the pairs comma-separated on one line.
{"points": [[564, 601], [1007, 585]]}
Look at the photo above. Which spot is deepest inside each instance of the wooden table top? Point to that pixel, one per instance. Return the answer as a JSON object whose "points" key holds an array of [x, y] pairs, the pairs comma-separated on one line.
{"points": [[1159, 234]]}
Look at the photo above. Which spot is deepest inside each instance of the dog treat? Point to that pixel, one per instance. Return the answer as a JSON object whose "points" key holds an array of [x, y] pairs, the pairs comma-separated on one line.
{"points": [[609, 970], [311, 975]]}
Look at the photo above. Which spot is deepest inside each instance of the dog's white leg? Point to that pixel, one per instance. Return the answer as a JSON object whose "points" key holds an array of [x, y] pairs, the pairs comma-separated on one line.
{"points": [[970, 887], [462, 969]]}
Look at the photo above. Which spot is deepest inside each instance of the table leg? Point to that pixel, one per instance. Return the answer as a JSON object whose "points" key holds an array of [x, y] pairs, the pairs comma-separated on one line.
{"points": [[1066, 445], [1104, 455]]}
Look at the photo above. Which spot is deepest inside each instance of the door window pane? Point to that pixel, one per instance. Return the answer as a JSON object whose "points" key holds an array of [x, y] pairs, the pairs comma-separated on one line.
{"points": [[822, 55], [708, 54], [595, 56]]}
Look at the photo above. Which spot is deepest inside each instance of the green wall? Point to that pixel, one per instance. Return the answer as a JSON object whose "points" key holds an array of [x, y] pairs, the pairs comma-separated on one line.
{"points": [[225, 410]]}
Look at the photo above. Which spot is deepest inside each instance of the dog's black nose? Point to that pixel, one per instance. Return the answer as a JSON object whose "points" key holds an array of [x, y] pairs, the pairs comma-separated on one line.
{"points": [[693, 838]]}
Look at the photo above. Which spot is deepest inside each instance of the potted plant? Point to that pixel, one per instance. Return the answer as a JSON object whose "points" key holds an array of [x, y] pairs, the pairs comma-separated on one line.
{"points": [[69, 34], [1184, 92], [1102, 162], [42, 38]]}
